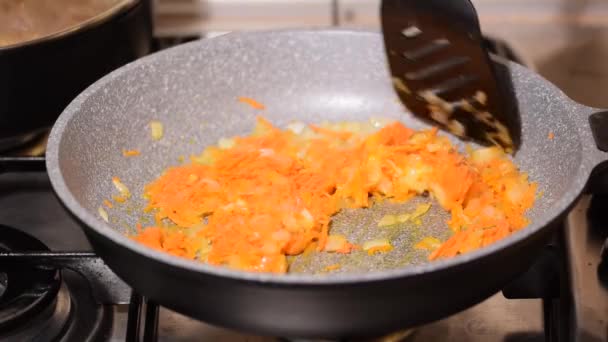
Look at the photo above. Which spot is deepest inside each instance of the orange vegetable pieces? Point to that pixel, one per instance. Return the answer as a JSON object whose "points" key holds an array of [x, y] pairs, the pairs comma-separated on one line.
{"points": [[251, 102], [170, 241], [272, 194], [130, 153]]}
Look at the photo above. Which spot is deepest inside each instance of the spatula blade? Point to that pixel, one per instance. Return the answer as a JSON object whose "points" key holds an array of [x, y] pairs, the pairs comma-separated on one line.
{"points": [[443, 73]]}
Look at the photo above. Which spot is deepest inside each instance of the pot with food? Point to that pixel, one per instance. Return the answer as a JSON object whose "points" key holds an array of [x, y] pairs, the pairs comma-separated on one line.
{"points": [[52, 50]]}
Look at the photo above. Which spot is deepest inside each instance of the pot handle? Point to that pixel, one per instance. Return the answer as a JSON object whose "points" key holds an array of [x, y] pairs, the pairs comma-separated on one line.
{"points": [[598, 122], [599, 128]]}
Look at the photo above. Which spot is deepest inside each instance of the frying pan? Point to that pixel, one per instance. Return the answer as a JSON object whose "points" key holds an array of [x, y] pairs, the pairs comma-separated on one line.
{"points": [[309, 76]]}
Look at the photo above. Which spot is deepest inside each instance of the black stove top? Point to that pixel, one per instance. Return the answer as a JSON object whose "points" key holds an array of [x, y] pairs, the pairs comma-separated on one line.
{"points": [[587, 301], [54, 288]]}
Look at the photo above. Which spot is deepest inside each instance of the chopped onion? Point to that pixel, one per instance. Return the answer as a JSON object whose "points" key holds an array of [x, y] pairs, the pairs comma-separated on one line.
{"points": [[121, 187], [377, 246], [156, 128], [225, 143], [402, 218], [439, 194], [415, 176], [335, 243], [486, 155], [205, 158], [307, 215], [388, 220], [103, 214], [516, 191], [420, 210], [428, 243], [297, 127], [203, 252], [379, 122]]}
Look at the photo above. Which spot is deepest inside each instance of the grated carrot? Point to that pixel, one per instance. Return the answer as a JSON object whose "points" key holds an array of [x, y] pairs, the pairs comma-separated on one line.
{"points": [[333, 267], [119, 198], [551, 135], [273, 194], [331, 133], [130, 153], [251, 102], [107, 203]]}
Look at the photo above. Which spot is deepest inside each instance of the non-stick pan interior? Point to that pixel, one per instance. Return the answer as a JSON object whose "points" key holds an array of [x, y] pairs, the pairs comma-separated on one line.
{"points": [[309, 76]]}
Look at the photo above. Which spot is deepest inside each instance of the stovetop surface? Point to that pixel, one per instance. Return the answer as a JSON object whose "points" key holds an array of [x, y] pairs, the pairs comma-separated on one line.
{"points": [[28, 203], [496, 319]]}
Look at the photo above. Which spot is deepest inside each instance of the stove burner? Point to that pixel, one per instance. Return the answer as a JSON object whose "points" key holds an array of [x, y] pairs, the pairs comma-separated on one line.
{"points": [[399, 336], [31, 145], [27, 144], [25, 291], [52, 296]]}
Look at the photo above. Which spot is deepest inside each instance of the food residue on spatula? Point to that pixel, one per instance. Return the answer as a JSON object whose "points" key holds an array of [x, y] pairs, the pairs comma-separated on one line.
{"points": [[253, 200]]}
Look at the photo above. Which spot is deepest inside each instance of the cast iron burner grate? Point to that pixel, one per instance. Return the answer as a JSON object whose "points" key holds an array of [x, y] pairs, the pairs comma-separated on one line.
{"points": [[40, 303], [25, 291]]}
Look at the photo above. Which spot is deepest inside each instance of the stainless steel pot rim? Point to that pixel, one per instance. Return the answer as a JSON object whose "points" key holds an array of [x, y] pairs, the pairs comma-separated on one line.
{"points": [[93, 222], [98, 19]]}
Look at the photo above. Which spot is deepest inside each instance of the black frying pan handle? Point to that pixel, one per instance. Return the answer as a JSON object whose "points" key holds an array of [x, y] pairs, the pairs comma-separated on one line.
{"points": [[599, 128], [598, 122]]}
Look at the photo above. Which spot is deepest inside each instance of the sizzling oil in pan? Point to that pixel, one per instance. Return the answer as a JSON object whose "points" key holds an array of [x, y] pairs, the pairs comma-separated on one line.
{"points": [[361, 225]]}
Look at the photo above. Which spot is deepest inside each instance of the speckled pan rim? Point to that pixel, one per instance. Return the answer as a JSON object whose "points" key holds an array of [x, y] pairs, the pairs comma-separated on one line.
{"points": [[102, 228]]}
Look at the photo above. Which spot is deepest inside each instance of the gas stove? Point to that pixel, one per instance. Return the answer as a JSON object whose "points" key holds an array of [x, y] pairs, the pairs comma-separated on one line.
{"points": [[54, 288]]}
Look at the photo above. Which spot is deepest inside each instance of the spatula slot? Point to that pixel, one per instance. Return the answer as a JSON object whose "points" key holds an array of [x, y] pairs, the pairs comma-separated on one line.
{"points": [[419, 53], [436, 68], [452, 84], [436, 56]]}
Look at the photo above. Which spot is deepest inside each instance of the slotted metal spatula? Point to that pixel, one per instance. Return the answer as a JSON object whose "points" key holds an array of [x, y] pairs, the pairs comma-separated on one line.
{"points": [[442, 72]]}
